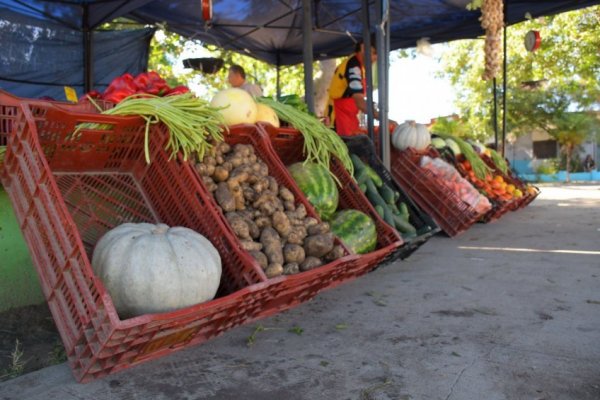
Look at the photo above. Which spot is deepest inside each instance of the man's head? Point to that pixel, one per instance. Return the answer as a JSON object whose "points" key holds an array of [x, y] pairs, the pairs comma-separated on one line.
{"points": [[360, 50], [237, 75]]}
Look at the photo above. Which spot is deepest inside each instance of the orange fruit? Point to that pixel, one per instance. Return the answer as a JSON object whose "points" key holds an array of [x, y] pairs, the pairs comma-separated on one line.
{"points": [[517, 193], [510, 188], [498, 179]]}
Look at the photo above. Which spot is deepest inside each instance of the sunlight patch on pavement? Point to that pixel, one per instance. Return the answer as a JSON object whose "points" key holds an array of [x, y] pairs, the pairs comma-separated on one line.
{"points": [[523, 250]]}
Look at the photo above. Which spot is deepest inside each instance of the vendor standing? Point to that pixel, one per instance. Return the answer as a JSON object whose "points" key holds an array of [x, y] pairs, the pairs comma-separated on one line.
{"points": [[237, 79], [347, 92]]}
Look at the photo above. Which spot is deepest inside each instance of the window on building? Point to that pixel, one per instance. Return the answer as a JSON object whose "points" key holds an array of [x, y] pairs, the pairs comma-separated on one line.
{"points": [[545, 149]]}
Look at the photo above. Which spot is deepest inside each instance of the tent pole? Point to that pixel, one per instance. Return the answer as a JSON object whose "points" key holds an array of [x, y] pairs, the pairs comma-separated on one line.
{"points": [[495, 113], [307, 47], [382, 10], [368, 68], [504, 65], [87, 50]]}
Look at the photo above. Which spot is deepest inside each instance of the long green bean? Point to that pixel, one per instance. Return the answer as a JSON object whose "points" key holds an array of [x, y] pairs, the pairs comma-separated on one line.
{"points": [[499, 161], [193, 125], [320, 142]]}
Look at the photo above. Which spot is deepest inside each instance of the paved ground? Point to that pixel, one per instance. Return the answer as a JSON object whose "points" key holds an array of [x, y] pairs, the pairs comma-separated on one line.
{"points": [[477, 317]]}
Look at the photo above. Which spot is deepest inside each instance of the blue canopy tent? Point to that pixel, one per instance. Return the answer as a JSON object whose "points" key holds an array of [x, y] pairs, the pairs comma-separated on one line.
{"points": [[275, 31]]}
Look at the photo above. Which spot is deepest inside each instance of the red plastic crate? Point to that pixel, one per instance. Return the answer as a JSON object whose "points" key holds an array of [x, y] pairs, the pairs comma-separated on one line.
{"points": [[289, 290], [68, 190], [452, 215], [288, 145], [499, 207], [510, 178]]}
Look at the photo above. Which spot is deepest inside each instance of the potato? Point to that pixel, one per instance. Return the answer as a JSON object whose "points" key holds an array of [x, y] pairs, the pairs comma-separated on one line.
{"points": [[293, 253], [209, 160], [289, 206], [273, 270], [263, 222], [252, 158], [219, 159], [201, 169], [223, 147], [291, 268], [221, 174], [286, 194], [337, 252], [210, 169], [261, 258], [264, 169], [281, 223], [297, 235], [318, 245], [239, 226], [310, 263], [228, 166], [309, 221], [268, 208], [253, 229], [273, 185], [224, 197], [319, 229], [250, 245], [271, 242]]}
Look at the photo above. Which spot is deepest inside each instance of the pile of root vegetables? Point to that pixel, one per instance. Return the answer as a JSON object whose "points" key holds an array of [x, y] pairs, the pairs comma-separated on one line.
{"points": [[265, 216]]}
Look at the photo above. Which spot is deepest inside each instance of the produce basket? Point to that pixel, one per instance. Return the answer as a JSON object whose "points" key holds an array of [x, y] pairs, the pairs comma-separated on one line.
{"points": [[426, 227], [289, 290], [452, 215], [288, 146], [69, 189], [499, 207], [527, 198]]}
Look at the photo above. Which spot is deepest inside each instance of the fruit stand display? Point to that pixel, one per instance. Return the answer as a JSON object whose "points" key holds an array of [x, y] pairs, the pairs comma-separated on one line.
{"points": [[263, 217]]}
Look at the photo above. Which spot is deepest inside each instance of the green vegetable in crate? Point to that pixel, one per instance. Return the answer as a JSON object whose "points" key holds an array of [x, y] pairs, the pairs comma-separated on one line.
{"points": [[438, 143], [150, 268], [466, 149], [317, 185], [361, 169], [356, 229], [451, 144]]}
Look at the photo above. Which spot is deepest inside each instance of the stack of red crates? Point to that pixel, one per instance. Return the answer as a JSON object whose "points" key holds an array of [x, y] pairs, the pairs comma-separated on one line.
{"points": [[69, 189]]}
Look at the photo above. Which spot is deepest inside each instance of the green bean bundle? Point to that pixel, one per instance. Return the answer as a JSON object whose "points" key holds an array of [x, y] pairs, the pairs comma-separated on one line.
{"points": [[320, 142], [499, 161], [480, 169], [192, 123]]}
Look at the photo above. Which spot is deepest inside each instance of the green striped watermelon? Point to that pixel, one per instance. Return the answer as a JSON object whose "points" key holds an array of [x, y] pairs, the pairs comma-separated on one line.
{"points": [[356, 229], [318, 186]]}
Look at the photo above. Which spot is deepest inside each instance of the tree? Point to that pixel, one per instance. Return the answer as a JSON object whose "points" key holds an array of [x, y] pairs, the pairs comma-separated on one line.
{"points": [[565, 70]]}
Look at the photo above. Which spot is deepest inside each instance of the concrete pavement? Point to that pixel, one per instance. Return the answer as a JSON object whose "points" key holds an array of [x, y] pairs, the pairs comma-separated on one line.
{"points": [[509, 310]]}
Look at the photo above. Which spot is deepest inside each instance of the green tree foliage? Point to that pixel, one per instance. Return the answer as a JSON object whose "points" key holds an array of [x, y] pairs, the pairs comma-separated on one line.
{"points": [[167, 48], [543, 87]]}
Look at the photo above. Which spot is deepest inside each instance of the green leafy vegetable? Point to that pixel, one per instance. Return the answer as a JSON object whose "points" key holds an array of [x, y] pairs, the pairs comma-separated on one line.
{"points": [[499, 161]]}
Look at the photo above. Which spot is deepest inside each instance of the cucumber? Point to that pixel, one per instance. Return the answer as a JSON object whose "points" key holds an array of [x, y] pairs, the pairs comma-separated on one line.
{"points": [[395, 209], [408, 236], [396, 196], [404, 209], [388, 216], [363, 187], [374, 196], [361, 176], [387, 193], [380, 211], [359, 165], [403, 226]]}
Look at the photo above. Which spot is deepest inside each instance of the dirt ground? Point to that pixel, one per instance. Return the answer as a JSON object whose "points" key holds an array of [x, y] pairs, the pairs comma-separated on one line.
{"points": [[28, 341]]}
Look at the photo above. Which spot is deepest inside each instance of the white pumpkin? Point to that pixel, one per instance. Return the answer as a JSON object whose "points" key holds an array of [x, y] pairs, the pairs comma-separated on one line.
{"points": [[150, 268], [411, 134], [236, 106], [267, 114]]}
